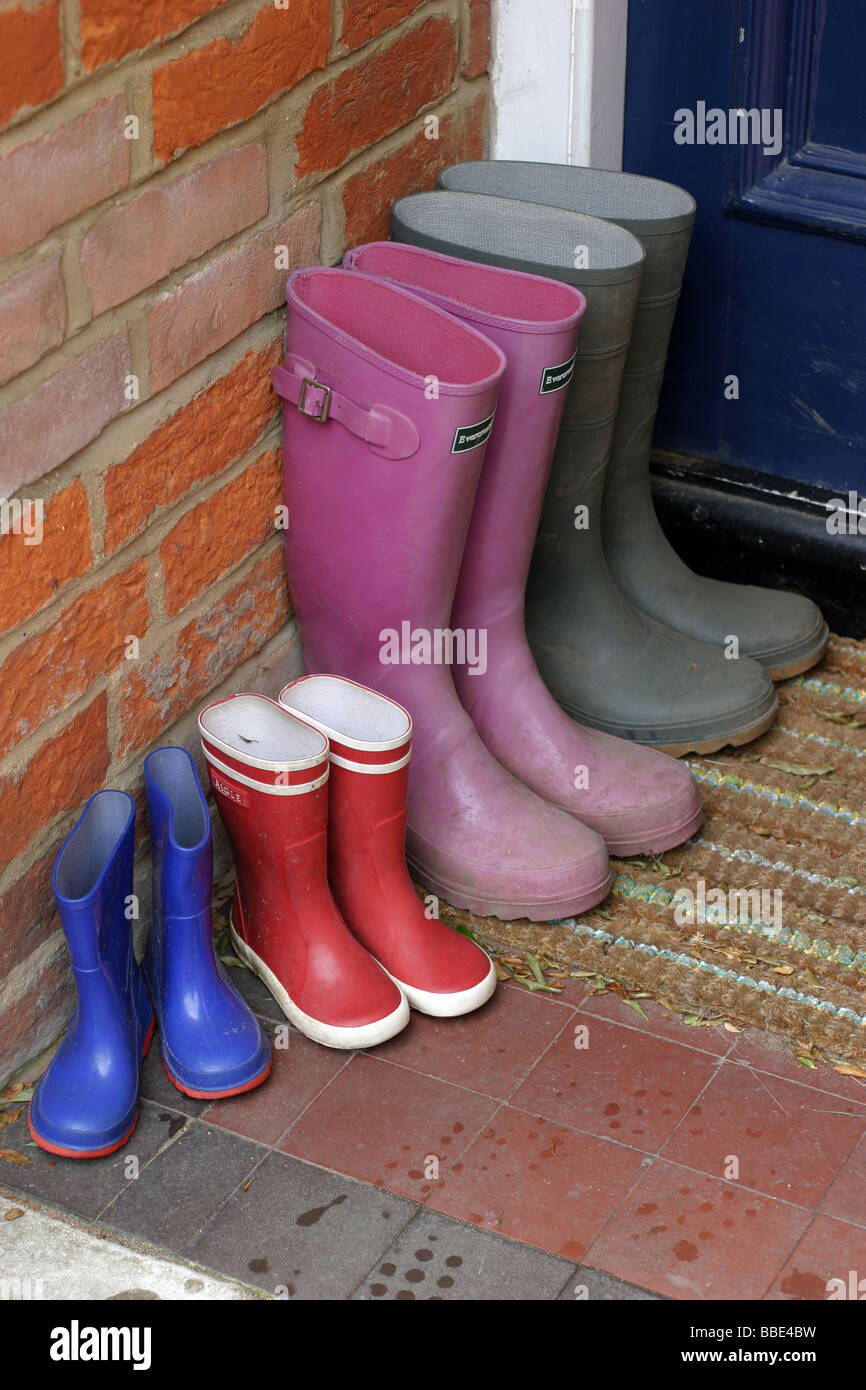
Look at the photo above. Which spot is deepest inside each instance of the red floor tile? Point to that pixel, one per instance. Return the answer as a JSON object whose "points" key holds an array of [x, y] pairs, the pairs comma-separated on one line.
{"points": [[572, 992], [489, 1051], [769, 1052], [659, 1023], [830, 1250], [846, 1199], [298, 1074], [539, 1182], [624, 1085], [693, 1237], [386, 1125], [789, 1141]]}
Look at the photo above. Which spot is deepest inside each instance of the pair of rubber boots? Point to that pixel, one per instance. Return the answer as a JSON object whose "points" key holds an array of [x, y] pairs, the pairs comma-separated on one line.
{"points": [[408, 548], [312, 792], [86, 1104], [624, 633]]}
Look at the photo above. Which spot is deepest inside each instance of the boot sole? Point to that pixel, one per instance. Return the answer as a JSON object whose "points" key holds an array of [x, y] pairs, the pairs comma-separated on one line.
{"points": [[712, 745], [549, 911], [215, 1095], [463, 1001], [109, 1148], [795, 664], [329, 1034], [656, 842]]}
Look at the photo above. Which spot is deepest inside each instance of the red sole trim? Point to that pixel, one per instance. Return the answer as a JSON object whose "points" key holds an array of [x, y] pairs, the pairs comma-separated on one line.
{"points": [[148, 1037], [219, 1095], [78, 1153], [93, 1153]]}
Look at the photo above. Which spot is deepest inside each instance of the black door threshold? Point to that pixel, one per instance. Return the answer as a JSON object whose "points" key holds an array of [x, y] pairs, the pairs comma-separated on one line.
{"points": [[754, 528]]}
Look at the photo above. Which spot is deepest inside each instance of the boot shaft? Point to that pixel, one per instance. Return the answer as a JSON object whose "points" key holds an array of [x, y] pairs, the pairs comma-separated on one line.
{"points": [[273, 803], [369, 740], [605, 263], [660, 215], [180, 833], [93, 884], [535, 322], [180, 942], [376, 540]]}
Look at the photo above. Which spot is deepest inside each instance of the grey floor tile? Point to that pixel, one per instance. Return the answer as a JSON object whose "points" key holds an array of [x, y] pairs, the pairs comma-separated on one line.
{"points": [[176, 1194], [156, 1087], [437, 1258], [85, 1186], [593, 1285], [301, 1231], [260, 1000]]}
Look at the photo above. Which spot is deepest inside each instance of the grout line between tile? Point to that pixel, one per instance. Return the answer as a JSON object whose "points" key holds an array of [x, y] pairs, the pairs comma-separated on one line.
{"points": [[685, 1115], [541, 1056], [247, 1178], [467, 1146], [794, 1081], [647, 1032], [321, 1091], [169, 1143], [790, 1255]]}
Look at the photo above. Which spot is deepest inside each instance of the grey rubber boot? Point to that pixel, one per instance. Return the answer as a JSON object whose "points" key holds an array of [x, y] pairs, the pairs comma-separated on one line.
{"points": [[785, 632], [608, 664]]}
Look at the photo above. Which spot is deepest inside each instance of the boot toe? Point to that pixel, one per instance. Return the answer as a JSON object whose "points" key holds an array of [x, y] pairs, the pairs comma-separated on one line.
{"points": [[440, 971], [454, 1002], [343, 1024], [78, 1121], [696, 703], [239, 1061], [345, 1001], [653, 805], [799, 636], [541, 866]]}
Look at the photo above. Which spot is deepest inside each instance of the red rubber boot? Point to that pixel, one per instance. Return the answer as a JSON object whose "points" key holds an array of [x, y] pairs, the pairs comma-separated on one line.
{"points": [[269, 772], [370, 738]]}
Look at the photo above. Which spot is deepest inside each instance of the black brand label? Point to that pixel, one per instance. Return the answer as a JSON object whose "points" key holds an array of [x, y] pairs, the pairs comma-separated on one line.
{"points": [[471, 436], [555, 378]]}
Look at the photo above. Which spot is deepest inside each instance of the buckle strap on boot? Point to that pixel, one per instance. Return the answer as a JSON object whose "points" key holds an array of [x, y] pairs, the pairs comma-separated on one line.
{"points": [[385, 430]]}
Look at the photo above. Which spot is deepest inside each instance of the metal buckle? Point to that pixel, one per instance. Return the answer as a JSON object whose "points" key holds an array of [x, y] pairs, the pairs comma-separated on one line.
{"points": [[322, 415]]}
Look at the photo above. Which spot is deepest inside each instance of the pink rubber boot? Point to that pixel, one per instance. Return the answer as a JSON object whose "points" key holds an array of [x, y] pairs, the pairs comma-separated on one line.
{"points": [[389, 404], [637, 798]]}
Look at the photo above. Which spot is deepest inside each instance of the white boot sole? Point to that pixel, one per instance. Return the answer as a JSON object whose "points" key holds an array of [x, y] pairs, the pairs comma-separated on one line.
{"points": [[329, 1034], [447, 1005]]}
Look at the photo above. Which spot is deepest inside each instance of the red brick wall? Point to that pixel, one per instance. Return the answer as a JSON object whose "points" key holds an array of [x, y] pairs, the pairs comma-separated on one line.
{"points": [[153, 160]]}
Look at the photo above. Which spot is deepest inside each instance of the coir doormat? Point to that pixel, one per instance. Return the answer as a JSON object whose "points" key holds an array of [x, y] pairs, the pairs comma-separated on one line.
{"points": [[761, 918]]}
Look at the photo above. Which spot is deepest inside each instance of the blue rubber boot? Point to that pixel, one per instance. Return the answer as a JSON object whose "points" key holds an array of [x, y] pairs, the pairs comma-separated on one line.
{"points": [[212, 1045], [86, 1104]]}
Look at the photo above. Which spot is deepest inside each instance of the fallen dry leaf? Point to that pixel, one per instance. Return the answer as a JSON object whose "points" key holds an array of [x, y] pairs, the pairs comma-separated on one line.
{"points": [[800, 769], [13, 1156], [13, 1213]]}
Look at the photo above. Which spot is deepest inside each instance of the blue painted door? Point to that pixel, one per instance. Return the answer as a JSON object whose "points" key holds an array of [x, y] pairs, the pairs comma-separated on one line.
{"points": [[767, 368]]}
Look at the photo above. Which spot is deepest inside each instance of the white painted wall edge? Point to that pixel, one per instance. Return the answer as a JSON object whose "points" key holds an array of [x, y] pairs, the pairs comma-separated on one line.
{"points": [[558, 80]]}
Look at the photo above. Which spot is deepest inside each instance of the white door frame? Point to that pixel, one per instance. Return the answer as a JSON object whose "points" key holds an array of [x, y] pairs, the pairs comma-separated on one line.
{"points": [[558, 79]]}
